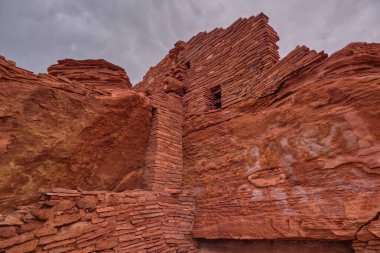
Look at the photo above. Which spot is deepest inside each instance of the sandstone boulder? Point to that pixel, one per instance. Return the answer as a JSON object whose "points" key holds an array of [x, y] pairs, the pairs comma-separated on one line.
{"points": [[83, 129]]}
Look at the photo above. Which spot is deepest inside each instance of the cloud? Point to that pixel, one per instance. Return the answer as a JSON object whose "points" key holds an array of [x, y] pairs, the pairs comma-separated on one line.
{"points": [[137, 34]]}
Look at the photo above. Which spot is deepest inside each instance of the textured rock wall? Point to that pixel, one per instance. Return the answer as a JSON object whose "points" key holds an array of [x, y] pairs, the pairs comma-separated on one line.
{"points": [[72, 221], [368, 237], [164, 158], [57, 132], [301, 162], [271, 80], [229, 57], [293, 152], [273, 246], [271, 149], [93, 73]]}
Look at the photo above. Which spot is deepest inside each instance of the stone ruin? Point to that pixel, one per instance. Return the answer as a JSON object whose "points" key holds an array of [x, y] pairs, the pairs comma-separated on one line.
{"points": [[222, 147]]}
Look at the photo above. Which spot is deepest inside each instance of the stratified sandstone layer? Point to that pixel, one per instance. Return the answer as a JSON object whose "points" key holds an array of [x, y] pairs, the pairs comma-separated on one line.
{"points": [[95, 73], [276, 149], [368, 237], [59, 132], [302, 156], [241, 149], [93, 221], [273, 246]]}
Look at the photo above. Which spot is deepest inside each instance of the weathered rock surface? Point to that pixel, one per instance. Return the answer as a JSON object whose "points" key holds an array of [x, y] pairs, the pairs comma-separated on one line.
{"points": [[272, 246], [301, 160], [94, 221], [368, 237], [55, 132], [95, 73], [283, 153], [284, 148]]}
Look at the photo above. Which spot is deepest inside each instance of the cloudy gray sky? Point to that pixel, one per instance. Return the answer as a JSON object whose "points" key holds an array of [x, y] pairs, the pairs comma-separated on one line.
{"points": [[137, 34]]}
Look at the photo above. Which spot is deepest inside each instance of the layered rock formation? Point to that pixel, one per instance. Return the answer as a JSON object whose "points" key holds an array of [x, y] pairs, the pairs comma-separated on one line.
{"points": [[301, 160], [368, 237], [93, 221], [292, 149], [58, 132], [94, 73], [272, 246], [279, 155]]}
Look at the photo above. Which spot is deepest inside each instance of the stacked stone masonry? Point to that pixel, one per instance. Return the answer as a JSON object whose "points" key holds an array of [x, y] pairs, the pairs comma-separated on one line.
{"points": [[368, 237], [164, 158], [293, 151], [297, 162], [72, 221], [248, 44], [233, 147]]}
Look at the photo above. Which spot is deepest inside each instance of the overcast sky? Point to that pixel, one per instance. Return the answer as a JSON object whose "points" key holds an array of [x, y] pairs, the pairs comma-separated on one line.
{"points": [[137, 34]]}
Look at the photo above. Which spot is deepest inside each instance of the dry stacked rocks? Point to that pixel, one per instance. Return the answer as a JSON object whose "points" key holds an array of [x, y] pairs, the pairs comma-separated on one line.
{"points": [[93, 221], [368, 237], [270, 149], [277, 148]]}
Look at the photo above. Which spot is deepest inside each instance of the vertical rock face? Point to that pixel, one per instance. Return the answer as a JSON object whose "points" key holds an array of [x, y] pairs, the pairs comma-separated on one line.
{"points": [[284, 154], [299, 159], [60, 132], [276, 148]]}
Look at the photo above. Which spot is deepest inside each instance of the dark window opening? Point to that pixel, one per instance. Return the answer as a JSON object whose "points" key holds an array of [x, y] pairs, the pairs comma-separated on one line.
{"points": [[187, 65], [154, 112], [46, 206], [216, 96]]}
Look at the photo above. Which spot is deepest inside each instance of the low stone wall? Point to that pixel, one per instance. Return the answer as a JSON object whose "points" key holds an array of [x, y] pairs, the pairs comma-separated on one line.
{"points": [[72, 221], [368, 237], [273, 246]]}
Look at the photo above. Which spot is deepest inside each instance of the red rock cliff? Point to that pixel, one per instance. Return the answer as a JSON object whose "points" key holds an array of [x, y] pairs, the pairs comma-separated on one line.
{"points": [[61, 132], [277, 149], [281, 155]]}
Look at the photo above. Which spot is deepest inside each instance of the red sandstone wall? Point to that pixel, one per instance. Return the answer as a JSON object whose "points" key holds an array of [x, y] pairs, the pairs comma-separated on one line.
{"points": [[273, 246], [164, 159], [293, 152], [299, 162], [72, 221], [229, 57], [271, 80], [93, 73], [368, 237], [58, 132]]}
